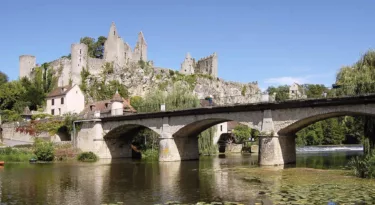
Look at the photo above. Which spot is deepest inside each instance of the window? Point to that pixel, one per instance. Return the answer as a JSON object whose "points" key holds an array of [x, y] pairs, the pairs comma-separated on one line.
{"points": [[52, 112], [59, 111], [62, 101], [80, 51], [79, 59], [114, 32], [53, 101], [221, 128]]}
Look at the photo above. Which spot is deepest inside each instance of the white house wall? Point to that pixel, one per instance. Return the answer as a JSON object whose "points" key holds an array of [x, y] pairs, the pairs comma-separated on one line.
{"points": [[75, 100]]}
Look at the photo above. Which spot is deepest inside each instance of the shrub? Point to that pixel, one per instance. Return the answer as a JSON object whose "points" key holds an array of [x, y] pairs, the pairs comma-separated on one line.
{"points": [[363, 167], [150, 154], [44, 150], [87, 157], [40, 116], [243, 91]]}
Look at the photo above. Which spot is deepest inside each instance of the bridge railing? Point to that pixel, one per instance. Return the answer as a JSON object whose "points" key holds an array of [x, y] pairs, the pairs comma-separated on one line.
{"points": [[337, 92]]}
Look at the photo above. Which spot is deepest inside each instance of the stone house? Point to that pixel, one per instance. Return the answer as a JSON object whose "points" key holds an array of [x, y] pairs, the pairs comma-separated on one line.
{"points": [[296, 91], [66, 99]]}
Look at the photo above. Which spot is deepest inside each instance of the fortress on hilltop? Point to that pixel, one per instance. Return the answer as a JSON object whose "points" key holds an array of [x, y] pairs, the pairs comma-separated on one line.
{"points": [[115, 51]]}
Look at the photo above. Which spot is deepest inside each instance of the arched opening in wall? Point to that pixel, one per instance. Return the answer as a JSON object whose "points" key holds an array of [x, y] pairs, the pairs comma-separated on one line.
{"points": [[213, 136], [132, 141], [62, 135], [329, 139]]}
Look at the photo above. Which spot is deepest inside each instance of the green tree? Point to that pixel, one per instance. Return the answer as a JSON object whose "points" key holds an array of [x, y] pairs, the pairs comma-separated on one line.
{"points": [[180, 97], [136, 102], [90, 42], [11, 94], [94, 45], [333, 132], [242, 133], [360, 79], [282, 92], [314, 90], [3, 78]]}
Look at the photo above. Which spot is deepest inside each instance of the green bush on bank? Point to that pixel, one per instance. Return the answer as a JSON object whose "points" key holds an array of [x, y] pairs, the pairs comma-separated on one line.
{"points": [[363, 167], [44, 150], [10, 154], [150, 154], [87, 157]]}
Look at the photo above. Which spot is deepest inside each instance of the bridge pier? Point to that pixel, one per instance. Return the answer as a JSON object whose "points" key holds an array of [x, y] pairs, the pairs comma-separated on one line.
{"points": [[277, 150], [168, 151]]}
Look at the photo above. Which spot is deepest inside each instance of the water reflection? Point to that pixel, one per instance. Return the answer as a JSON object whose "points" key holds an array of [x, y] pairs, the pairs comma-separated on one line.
{"points": [[224, 178]]}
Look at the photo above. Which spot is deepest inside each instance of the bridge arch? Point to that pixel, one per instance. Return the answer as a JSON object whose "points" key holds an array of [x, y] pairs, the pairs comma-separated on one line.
{"points": [[120, 140], [297, 125], [186, 137]]}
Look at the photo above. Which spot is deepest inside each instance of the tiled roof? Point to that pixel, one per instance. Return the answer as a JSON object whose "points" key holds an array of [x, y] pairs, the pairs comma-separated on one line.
{"points": [[117, 98], [232, 124], [104, 106], [60, 91]]}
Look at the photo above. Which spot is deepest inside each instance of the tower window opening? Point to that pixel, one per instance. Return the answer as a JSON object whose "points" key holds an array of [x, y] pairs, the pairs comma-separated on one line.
{"points": [[79, 59], [221, 128], [80, 51], [114, 33], [78, 65]]}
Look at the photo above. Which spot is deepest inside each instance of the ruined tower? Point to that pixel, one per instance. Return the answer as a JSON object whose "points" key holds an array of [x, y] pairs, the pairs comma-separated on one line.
{"points": [[187, 67], [114, 47], [27, 63], [79, 61], [140, 50], [207, 65]]}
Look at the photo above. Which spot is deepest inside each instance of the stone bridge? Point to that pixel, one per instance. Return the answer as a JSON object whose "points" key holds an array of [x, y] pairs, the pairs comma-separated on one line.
{"points": [[110, 137]]}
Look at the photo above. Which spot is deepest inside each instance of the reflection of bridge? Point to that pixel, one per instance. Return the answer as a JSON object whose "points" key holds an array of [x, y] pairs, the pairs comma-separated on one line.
{"points": [[278, 122]]}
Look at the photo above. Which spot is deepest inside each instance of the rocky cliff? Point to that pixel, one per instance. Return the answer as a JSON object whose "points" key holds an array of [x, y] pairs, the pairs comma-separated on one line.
{"points": [[141, 78]]}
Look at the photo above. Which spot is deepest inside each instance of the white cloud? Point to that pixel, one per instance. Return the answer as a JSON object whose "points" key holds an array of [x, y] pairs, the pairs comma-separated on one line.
{"points": [[286, 80]]}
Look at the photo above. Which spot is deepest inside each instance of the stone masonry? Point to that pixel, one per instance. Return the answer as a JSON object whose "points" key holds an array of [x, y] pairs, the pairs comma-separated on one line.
{"points": [[116, 51], [178, 131]]}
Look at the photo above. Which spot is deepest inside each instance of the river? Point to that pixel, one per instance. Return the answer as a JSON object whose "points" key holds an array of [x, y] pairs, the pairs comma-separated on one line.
{"points": [[317, 178]]}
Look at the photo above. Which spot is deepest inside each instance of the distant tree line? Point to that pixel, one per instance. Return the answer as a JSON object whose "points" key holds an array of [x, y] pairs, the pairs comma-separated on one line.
{"points": [[350, 80]]}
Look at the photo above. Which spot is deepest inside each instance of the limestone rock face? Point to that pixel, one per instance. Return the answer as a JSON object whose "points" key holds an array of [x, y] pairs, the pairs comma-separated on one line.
{"points": [[139, 80]]}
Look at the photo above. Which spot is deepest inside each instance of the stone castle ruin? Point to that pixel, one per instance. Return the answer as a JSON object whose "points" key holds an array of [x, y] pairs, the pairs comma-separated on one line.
{"points": [[116, 51], [207, 65]]}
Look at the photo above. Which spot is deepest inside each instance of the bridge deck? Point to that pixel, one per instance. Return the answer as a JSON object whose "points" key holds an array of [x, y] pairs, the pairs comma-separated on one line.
{"points": [[300, 103]]}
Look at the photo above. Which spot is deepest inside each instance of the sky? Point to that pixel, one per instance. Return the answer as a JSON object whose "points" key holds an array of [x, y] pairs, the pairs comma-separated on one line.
{"points": [[271, 42]]}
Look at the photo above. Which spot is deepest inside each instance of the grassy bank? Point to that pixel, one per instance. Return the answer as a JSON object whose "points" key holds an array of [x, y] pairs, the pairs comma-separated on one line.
{"points": [[9, 154]]}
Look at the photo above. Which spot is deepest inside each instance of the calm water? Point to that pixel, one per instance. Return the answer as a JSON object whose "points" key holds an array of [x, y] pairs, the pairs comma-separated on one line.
{"points": [[219, 178]]}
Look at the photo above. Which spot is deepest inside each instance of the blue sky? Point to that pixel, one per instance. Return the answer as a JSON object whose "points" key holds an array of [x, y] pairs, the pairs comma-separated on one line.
{"points": [[272, 42]]}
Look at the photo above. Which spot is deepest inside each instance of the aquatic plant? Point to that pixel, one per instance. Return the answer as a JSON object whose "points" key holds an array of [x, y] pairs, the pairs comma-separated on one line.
{"points": [[87, 157]]}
